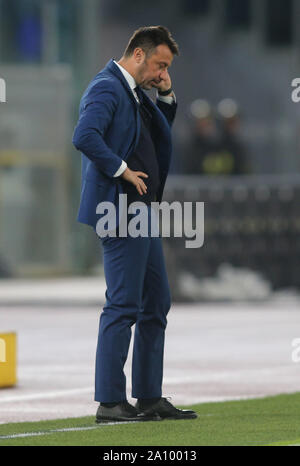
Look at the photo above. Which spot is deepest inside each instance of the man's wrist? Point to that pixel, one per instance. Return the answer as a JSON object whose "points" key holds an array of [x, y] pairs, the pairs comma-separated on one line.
{"points": [[165, 93], [121, 169], [168, 99]]}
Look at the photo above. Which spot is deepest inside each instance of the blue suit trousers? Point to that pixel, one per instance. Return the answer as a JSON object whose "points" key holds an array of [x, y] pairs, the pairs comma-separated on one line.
{"points": [[137, 293]]}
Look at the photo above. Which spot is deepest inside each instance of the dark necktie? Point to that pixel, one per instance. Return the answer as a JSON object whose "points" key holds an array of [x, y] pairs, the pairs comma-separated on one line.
{"points": [[139, 93], [145, 113]]}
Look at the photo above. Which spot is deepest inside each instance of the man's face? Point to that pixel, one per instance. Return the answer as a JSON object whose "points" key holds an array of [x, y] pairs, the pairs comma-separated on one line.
{"points": [[152, 70]]}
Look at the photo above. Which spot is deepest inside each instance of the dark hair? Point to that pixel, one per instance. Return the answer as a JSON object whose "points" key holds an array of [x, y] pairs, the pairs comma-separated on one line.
{"points": [[148, 38]]}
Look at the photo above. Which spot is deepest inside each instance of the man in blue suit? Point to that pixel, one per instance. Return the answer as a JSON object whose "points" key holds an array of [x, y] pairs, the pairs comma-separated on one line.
{"points": [[125, 141]]}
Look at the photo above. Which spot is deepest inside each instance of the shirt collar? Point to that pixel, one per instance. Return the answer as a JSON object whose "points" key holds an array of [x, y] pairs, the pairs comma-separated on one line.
{"points": [[130, 79]]}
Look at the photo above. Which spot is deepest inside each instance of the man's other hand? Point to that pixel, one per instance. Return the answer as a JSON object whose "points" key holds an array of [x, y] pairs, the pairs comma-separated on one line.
{"points": [[134, 178]]}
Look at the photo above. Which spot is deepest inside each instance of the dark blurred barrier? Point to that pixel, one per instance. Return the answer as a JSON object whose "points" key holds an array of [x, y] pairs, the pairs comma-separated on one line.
{"points": [[250, 221]]}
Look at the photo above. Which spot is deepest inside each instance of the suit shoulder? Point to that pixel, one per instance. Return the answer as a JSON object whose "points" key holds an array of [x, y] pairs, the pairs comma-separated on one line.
{"points": [[103, 83], [102, 88]]}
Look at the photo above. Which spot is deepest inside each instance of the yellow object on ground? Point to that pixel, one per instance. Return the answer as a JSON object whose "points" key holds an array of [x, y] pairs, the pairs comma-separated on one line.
{"points": [[8, 359]]}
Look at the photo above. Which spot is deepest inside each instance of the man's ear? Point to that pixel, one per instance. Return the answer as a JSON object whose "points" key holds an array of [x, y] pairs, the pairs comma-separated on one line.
{"points": [[139, 55]]}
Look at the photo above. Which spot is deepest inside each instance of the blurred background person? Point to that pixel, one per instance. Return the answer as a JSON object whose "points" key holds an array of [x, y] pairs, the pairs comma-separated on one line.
{"points": [[232, 149], [214, 146], [200, 153]]}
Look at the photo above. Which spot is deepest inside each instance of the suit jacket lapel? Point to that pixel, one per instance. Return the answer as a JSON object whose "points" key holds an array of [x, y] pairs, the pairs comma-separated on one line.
{"points": [[160, 119], [112, 67]]}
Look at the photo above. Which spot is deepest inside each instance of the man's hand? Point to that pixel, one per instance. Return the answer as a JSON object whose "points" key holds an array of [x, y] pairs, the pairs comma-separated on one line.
{"points": [[134, 178], [165, 82]]}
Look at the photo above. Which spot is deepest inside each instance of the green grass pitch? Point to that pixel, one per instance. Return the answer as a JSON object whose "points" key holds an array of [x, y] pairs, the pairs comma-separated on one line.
{"points": [[263, 421]]}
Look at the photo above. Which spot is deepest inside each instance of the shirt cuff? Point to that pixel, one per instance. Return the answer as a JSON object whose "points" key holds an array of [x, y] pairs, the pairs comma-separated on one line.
{"points": [[121, 169], [166, 99]]}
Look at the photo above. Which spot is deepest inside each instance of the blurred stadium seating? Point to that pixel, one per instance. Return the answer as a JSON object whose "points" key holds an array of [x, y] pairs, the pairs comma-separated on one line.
{"points": [[250, 222]]}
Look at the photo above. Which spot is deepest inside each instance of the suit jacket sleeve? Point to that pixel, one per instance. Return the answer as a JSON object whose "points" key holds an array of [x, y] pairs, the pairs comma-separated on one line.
{"points": [[97, 112], [169, 110]]}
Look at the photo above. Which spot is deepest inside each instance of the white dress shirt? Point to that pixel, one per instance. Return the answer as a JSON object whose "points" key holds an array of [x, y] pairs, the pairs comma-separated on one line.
{"points": [[132, 84]]}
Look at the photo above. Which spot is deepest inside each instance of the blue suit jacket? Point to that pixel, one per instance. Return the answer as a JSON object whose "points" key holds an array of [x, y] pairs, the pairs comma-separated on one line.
{"points": [[107, 132]]}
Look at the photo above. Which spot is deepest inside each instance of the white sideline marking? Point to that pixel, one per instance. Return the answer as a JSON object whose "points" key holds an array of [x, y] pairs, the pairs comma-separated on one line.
{"points": [[73, 429], [66, 429], [40, 396]]}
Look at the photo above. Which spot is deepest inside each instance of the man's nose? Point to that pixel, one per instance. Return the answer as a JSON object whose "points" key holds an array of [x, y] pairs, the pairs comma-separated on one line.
{"points": [[163, 74]]}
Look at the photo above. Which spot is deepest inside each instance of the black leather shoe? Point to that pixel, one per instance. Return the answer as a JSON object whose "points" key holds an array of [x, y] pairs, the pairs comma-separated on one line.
{"points": [[166, 410], [122, 412]]}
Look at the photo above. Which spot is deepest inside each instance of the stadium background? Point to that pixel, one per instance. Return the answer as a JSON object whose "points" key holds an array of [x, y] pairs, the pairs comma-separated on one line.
{"points": [[244, 51]]}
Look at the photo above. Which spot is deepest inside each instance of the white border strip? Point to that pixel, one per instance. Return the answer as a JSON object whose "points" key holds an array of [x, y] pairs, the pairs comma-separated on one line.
{"points": [[41, 396]]}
